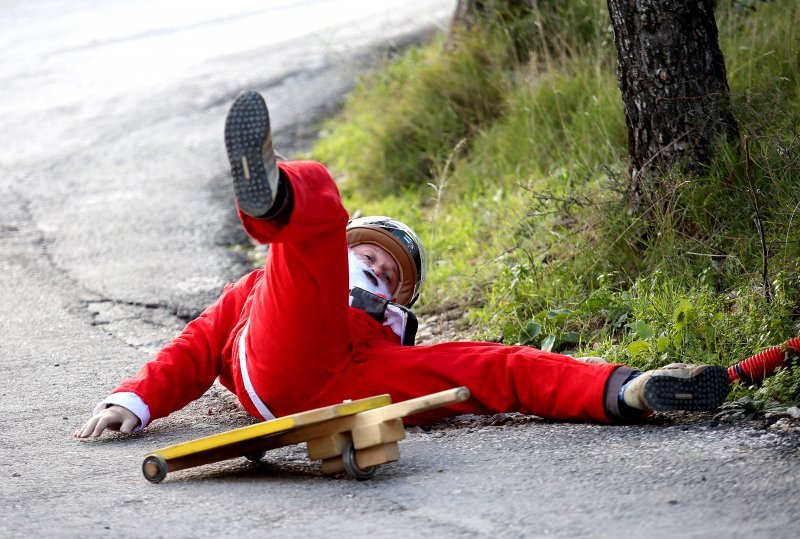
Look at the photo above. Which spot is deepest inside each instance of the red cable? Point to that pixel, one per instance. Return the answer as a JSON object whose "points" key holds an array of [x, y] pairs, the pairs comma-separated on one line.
{"points": [[761, 365]]}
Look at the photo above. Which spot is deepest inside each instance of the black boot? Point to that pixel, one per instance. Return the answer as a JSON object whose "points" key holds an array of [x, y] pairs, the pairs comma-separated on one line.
{"points": [[248, 140], [678, 386]]}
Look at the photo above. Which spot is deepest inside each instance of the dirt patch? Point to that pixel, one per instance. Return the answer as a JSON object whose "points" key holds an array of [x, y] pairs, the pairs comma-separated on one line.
{"points": [[447, 326]]}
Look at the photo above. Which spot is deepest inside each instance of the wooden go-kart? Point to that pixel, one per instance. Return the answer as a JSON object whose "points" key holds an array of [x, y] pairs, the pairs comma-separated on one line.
{"points": [[353, 437]]}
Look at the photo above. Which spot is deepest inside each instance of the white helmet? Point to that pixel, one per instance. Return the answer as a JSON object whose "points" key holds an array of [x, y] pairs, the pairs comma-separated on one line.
{"points": [[401, 243]]}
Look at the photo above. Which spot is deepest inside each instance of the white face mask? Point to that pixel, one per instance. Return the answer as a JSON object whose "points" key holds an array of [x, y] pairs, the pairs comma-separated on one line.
{"points": [[359, 272]]}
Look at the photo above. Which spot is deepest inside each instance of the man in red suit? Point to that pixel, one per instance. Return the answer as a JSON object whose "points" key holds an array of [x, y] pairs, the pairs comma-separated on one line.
{"points": [[327, 319]]}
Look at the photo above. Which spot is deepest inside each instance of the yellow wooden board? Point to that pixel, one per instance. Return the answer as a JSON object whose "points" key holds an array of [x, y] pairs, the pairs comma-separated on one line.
{"points": [[366, 423], [274, 426], [360, 420]]}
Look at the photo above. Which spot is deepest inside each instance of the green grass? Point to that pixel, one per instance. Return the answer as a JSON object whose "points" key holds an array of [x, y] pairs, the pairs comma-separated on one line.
{"points": [[513, 172]]}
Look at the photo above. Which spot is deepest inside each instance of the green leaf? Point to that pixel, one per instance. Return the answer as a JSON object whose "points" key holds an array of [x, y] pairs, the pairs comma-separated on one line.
{"points": [[641, 329], [637, 347], [510, 333], [595, 304], [559, 315], [530, 332], [620, 319], [684, 314], [571, 337], [548, 342], [662, 343]]}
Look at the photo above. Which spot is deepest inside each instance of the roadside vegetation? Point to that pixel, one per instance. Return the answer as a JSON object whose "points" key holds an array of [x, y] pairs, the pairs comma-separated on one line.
{"points": [[514, 173]]}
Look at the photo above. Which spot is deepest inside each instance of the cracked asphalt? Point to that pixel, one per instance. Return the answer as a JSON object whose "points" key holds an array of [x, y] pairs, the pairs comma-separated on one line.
{"points": [[116, 224]]}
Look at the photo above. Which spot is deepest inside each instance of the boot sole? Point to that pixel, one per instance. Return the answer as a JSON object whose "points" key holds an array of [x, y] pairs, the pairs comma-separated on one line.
{"points": [[247, 134], [702, 392]]}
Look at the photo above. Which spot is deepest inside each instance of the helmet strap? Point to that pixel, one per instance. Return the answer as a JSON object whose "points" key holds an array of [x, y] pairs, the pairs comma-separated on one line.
{"points": [[375, 306]]}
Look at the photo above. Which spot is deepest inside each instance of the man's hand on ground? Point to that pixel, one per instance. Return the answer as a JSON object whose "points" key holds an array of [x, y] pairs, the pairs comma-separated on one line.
{"points": [[113, 418]]}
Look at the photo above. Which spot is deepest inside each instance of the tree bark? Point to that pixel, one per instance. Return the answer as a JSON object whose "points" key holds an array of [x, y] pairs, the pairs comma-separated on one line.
{"points": [[468, 13], [510, 15], [471, 13], [671, 73]]}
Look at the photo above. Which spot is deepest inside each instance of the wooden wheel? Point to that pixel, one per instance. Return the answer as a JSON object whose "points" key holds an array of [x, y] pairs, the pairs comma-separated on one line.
{"points": [[154, 468], [351, 468], [255, 456]]}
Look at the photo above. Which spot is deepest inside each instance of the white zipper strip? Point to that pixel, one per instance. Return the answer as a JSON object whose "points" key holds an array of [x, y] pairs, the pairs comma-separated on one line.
{"points": [[266, 414]]}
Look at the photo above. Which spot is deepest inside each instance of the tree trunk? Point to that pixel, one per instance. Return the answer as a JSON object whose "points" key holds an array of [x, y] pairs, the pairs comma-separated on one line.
{"points": [[509, 15], [468, 13], [672, 76], [471, 13]]}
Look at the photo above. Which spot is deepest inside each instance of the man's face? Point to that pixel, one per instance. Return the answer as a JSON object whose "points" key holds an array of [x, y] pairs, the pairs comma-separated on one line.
{"points": [[380, 262]]}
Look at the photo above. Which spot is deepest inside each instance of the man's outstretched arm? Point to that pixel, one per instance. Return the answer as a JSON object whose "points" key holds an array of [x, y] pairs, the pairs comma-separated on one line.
{"points": [[181, 372]]}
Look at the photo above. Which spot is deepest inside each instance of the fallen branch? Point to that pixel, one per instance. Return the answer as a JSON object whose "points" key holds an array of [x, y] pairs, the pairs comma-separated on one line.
{"points": [[759, 222]]}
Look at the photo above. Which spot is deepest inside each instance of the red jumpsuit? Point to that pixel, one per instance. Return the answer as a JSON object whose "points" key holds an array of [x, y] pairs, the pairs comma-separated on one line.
{"points": [[305, 346]]}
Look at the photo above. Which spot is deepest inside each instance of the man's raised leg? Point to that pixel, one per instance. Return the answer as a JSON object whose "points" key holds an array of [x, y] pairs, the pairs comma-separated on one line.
{"points": [[297, 334]]}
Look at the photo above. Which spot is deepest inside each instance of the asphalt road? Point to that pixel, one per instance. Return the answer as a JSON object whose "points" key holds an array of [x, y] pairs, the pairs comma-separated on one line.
{"points": [[115, 228]]}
